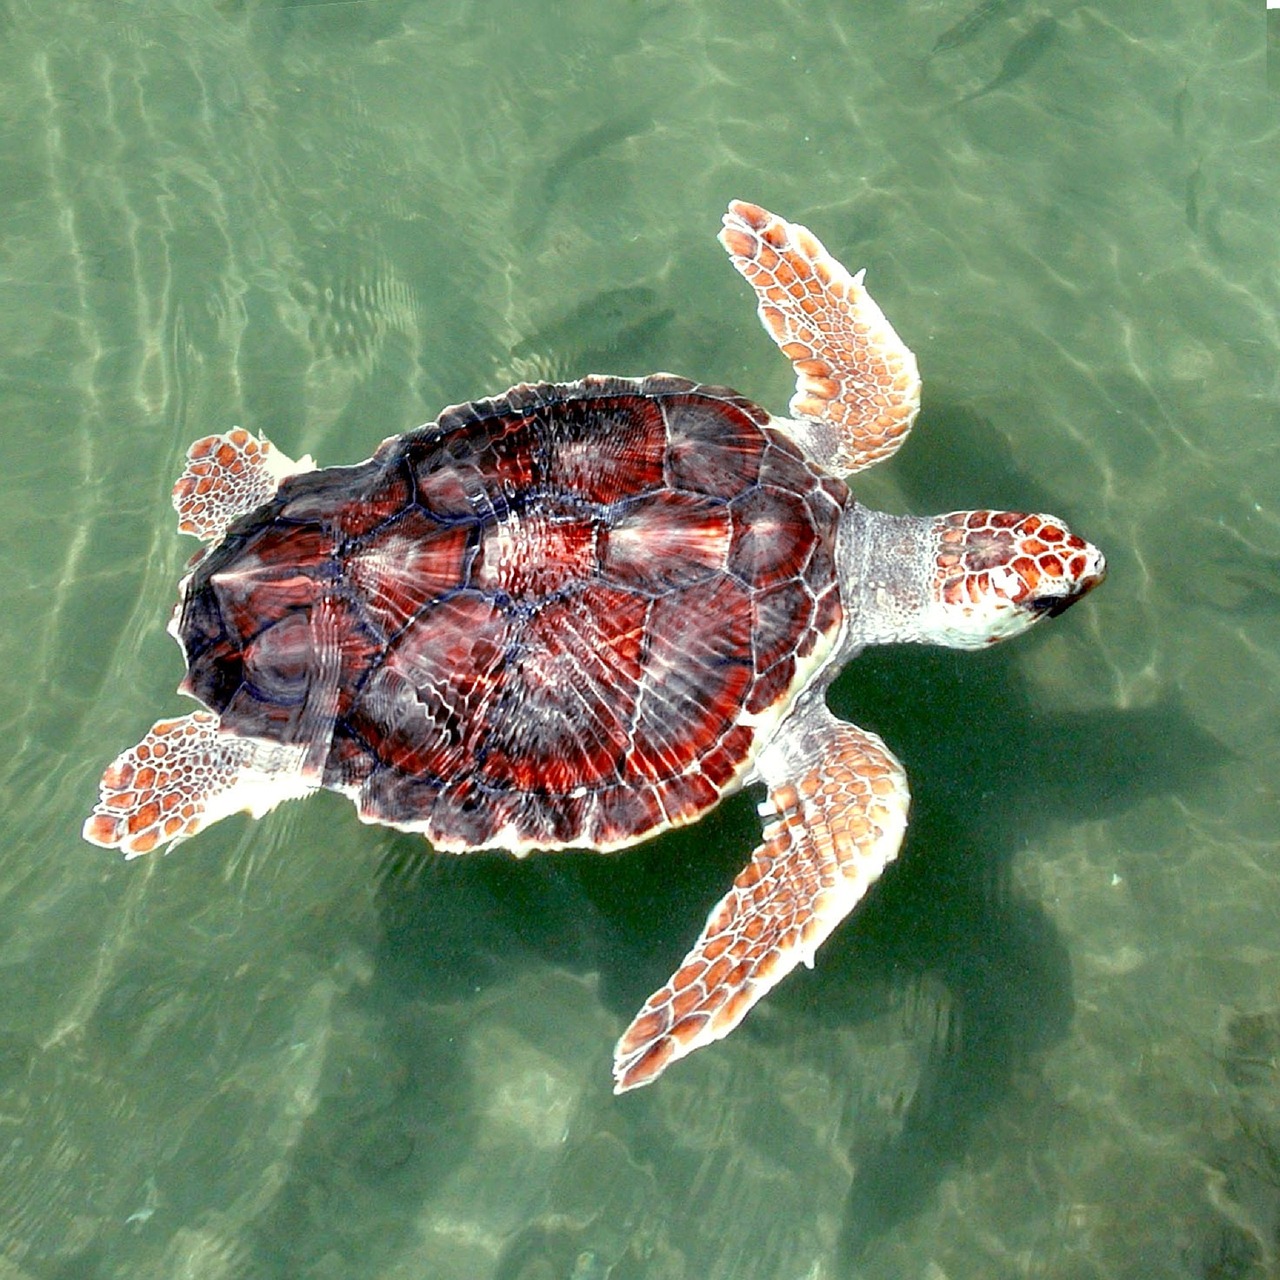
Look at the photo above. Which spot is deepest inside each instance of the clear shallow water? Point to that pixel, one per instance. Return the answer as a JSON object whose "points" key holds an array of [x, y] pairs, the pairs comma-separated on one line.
{"points": [[1048, 1047]]}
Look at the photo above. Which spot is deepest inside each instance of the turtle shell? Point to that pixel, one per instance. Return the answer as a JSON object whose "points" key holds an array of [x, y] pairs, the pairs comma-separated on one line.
{"points": [[568, 615]]}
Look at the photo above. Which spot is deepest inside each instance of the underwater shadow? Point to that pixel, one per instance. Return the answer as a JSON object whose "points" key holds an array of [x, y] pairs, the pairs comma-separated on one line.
{"points": [[988, 768], [988, 771]]}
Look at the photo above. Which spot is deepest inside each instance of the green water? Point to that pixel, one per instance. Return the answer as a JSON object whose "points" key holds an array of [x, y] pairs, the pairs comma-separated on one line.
{"points": [[1049, 1045]]}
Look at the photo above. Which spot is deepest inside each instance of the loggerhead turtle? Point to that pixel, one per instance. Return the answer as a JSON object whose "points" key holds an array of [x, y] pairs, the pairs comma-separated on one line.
{"points": [[579, 614]]}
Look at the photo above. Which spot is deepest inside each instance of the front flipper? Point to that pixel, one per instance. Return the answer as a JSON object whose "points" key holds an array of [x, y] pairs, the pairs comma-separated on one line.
{"points": [[835, 819], [226, 477], [184, 775], [857, 386]]}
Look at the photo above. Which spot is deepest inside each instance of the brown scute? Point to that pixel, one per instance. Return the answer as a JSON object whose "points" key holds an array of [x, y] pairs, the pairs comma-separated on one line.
{"points": [[783, 466], [778, 614], [697, 677], [772, 686], [773, 536], [666, 540], [390, 496], [538, 555], [420, 719], [406, 564], [722, 761], [686, 797], [632, 464], [285, 672], [553, 610], [321, 499], [624, 810], [715, 446], [564, 721]]}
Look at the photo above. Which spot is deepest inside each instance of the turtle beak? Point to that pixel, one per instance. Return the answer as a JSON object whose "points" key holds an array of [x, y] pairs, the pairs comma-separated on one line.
{"points": [[1079, 585]]}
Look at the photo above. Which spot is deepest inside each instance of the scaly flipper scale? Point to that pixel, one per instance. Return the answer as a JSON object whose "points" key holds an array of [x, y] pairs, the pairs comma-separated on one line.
{"points": [[857, 385], [184, 775]]}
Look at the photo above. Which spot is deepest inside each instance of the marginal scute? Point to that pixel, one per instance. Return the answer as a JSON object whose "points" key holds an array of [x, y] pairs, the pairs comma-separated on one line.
{"points": [[783, 466], [775, 612], [384, 500], [772, 686], [302, 499]]}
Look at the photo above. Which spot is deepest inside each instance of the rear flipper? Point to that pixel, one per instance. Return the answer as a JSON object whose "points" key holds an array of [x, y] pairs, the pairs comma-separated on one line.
{"points": [[836, 816], [184, 775], [226, 477]]}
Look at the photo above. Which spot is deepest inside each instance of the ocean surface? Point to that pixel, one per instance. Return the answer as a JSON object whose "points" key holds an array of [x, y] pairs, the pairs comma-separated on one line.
{"points": [[1049, 1044]]}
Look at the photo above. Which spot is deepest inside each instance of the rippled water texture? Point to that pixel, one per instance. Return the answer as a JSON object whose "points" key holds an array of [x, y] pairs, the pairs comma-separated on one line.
{"points": [[300, 1048]]}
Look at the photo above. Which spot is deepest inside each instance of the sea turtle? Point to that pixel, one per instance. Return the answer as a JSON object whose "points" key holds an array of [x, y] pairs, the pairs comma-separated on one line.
{"points": [[578, 614]]}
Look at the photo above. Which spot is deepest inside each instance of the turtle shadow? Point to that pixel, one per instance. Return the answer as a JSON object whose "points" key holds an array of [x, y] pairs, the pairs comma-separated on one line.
{"points": [[989, 770], [968, 462], [456, 925]]}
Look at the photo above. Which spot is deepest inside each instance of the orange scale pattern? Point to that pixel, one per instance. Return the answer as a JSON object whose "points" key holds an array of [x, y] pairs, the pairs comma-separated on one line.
{"points": [[852, 372], [156, 791], [223, 472], [976, 543], [828, 837]]}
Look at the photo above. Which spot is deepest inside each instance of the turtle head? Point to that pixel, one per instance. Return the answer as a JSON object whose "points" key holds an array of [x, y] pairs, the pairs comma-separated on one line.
{"points": [[995, 573], [964, 580]]}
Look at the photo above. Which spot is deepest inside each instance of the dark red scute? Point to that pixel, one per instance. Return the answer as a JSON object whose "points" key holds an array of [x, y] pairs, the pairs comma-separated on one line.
{"points": [[295, 676], [422, 717], [402, 567], [667, 539], [632, 464], [782, 467], [772, 538], [259, 577], [698, 671], [772, 685], [321, 498], [250, 601], [569, 696], [538, 621], [714, 444], [775, 612]]}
